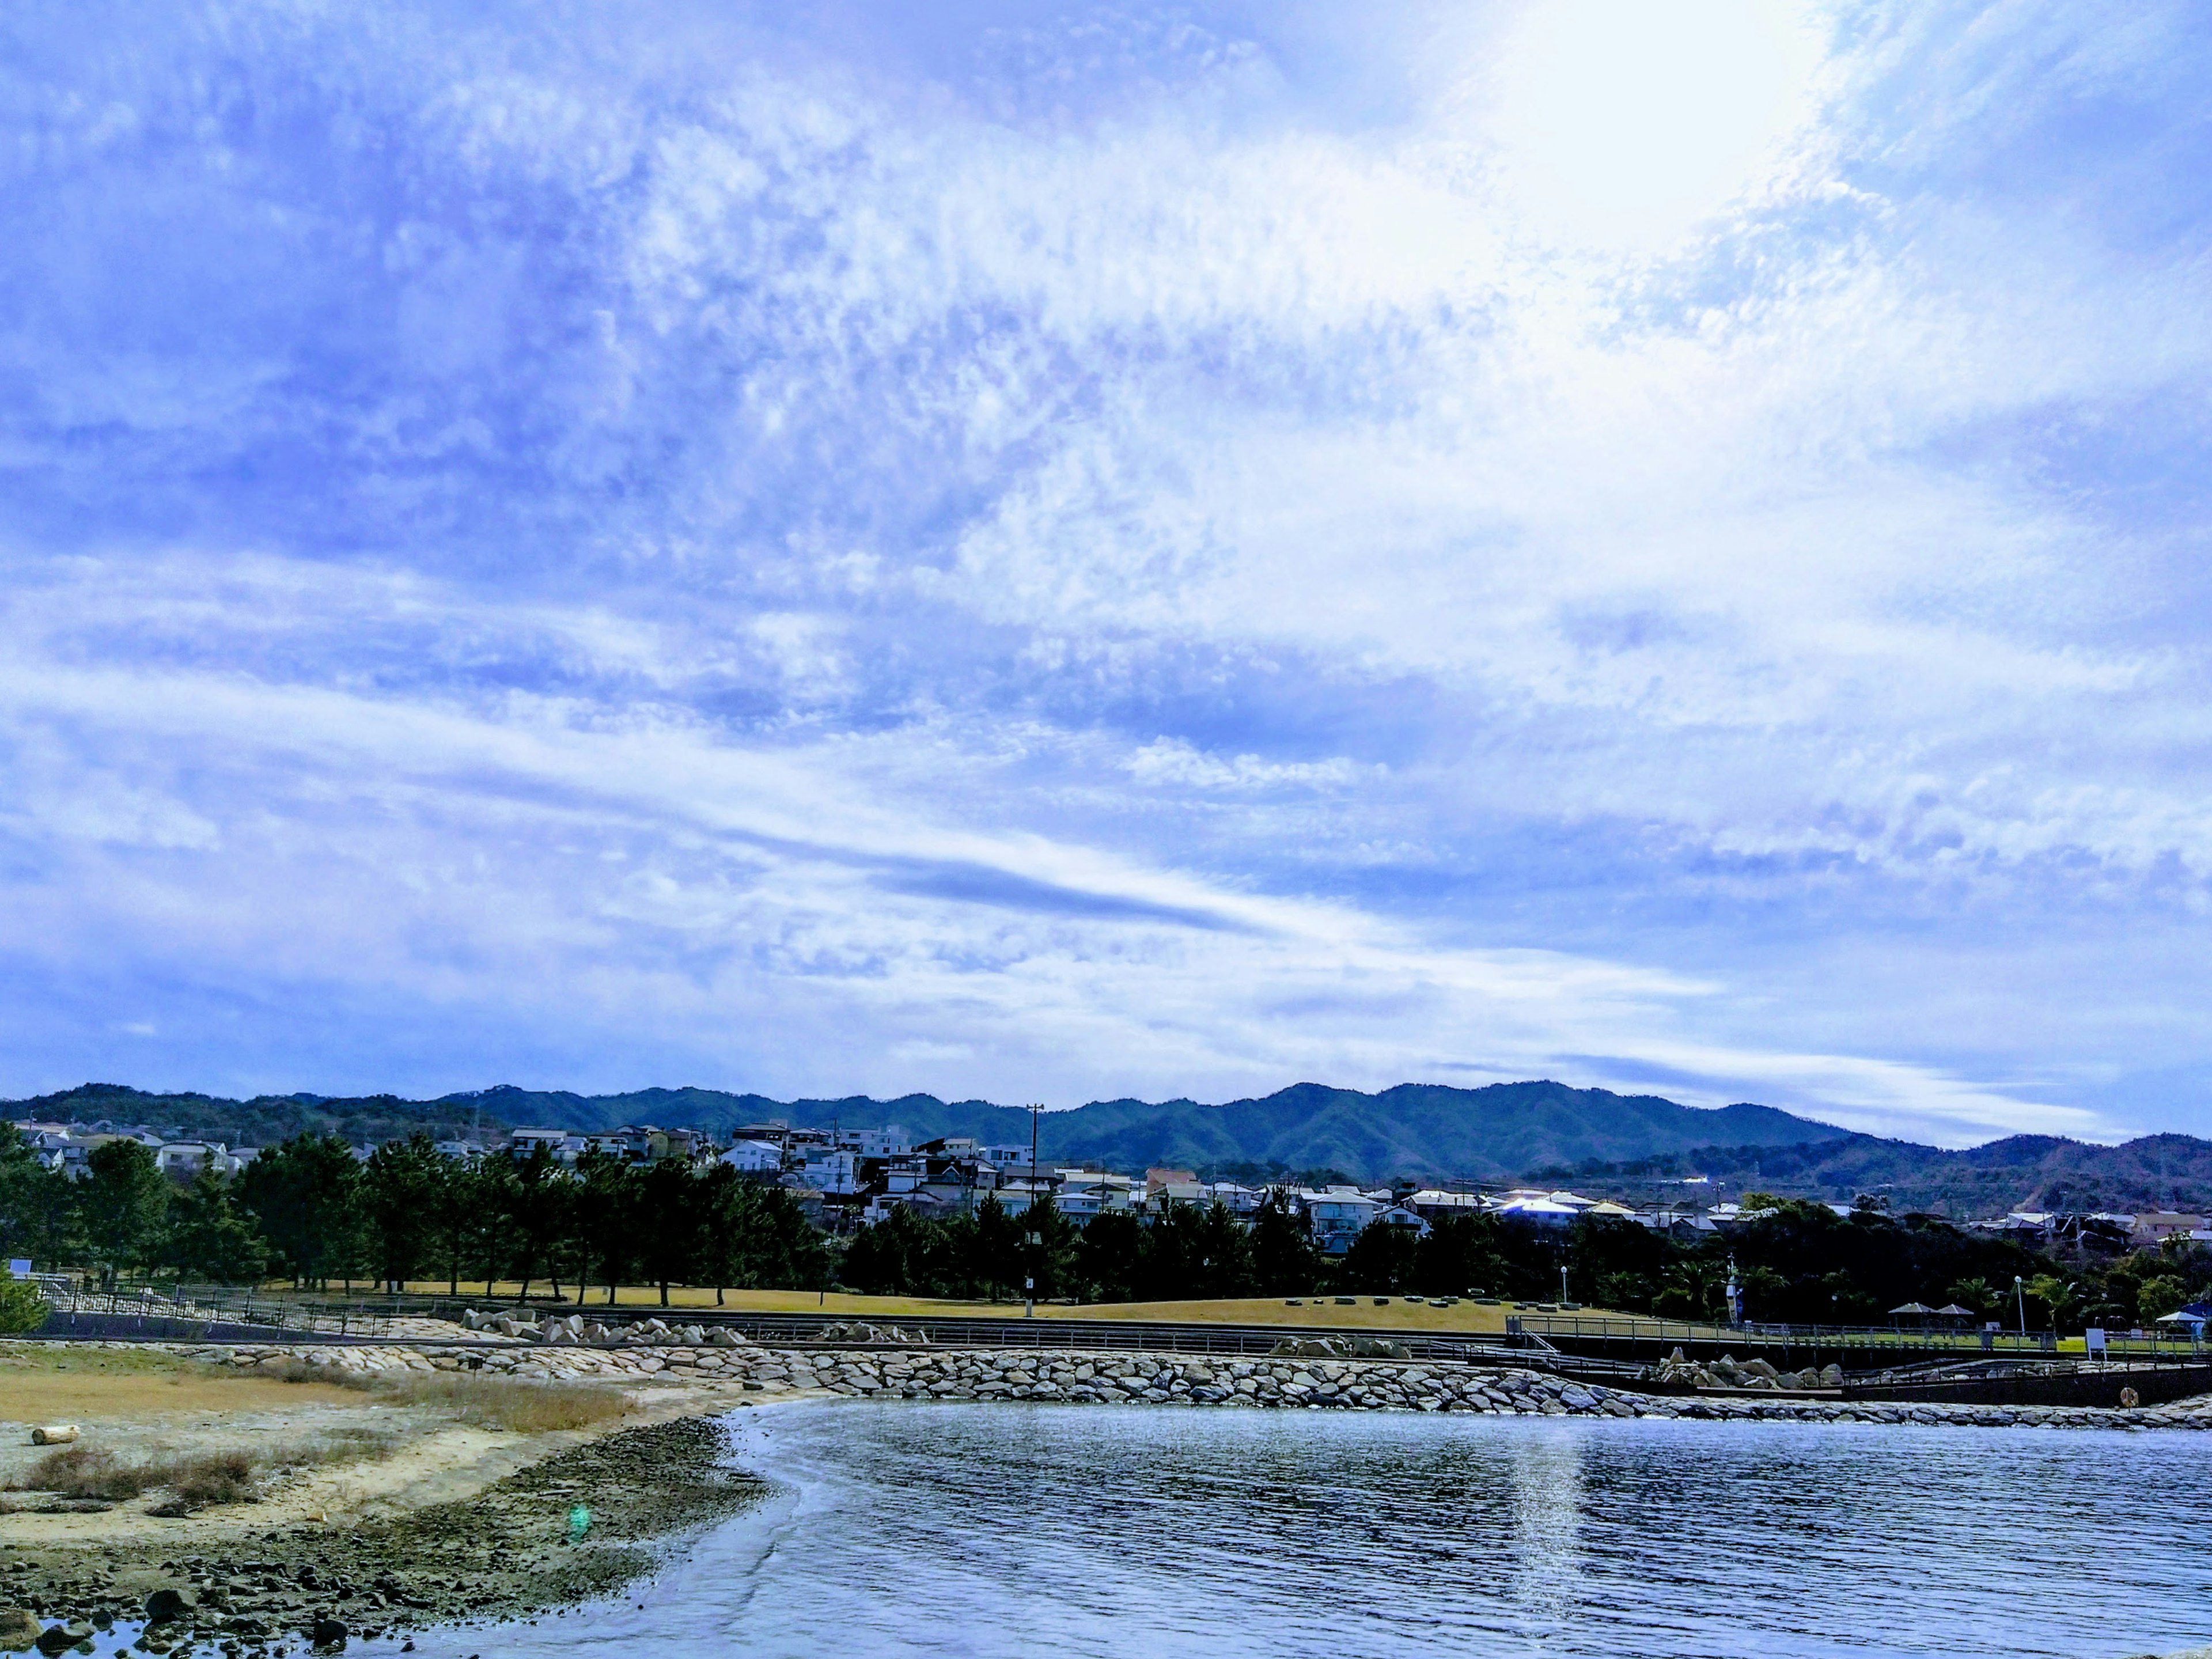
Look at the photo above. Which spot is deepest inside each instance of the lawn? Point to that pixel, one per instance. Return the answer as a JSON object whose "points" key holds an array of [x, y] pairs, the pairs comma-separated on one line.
{"points": [[1366, 1312]]}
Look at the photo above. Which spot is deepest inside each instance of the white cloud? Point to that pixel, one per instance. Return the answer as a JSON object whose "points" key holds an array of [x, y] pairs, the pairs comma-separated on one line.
{"points": [[1153, 578]]}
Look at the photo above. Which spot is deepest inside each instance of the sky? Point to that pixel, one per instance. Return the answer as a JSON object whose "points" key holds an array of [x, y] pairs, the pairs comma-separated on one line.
{"points": [[1048, 551]]}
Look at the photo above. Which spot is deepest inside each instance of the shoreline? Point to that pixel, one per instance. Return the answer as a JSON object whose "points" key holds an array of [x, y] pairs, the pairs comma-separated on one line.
{"points": [[485, 1538]]}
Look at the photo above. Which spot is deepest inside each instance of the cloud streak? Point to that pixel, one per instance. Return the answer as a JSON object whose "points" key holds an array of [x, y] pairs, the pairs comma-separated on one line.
{"points": [[1066, 552]]}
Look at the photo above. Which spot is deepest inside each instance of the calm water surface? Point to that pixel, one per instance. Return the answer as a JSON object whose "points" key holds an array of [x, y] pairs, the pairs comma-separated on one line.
{"points": [[1005, 1531]]}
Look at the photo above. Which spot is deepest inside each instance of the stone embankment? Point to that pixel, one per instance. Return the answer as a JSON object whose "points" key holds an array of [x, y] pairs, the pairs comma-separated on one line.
{"points": [[1089, 1376]]}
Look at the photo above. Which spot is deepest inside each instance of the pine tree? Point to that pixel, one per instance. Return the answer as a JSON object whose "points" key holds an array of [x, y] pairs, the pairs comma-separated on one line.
{"points": [[125, 1201], [211, 1238], [1285, 1259]]}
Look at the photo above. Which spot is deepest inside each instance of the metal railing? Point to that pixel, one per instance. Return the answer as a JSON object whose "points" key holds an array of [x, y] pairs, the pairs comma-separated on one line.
{"points": [[196, 1312]]}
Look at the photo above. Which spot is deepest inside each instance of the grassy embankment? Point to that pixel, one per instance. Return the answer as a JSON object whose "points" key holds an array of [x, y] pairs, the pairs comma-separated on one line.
{"points": [[156, 1424]]}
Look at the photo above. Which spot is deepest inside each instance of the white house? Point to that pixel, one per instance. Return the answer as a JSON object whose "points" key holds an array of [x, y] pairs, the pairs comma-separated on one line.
{"points": [[829, 1172], [754, 1157], [1336, 1216]]}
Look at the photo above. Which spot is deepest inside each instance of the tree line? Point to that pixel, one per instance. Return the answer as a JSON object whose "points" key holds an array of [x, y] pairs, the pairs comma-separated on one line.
{"points": [[1796, 1262], [308, 1211]]}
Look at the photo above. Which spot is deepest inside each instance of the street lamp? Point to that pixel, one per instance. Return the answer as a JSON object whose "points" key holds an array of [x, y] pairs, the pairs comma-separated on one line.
{"points": [[2019, 1294]]}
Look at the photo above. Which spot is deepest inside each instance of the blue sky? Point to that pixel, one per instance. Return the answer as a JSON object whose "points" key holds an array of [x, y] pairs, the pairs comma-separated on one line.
{"points": [[1052, 551]]}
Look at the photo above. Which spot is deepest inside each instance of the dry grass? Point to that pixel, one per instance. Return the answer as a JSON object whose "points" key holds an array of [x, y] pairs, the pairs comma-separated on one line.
{"points": [[495, 1402], [193, 1477], [83, 1471], [70, 1385], [483, 1402]]}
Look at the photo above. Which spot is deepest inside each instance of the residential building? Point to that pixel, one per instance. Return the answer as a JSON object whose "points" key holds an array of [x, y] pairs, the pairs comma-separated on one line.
{"points": [[832, 1172], [754, 1157], [889, 1142], [2154, 1227], [1432, 1204], [1336, 1216], [1087, 1193]]}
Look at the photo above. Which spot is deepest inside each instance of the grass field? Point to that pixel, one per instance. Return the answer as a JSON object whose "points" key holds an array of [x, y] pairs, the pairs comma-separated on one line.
{"points": [[41, 1385], [1366, 1313]]}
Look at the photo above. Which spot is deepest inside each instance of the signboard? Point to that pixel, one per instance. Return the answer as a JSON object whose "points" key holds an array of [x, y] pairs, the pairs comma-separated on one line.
{"points": [[2094, 1340], [19, 1269]]}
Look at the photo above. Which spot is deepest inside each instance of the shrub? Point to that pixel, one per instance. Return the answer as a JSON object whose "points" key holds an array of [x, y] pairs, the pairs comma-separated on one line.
{"points": [[21, 1308], [221, 1477], [489, 1402], [83, 1471]]}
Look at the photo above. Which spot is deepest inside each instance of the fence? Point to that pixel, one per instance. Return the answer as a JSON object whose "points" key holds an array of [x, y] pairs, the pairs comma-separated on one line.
{"points": [[194, 1313]]}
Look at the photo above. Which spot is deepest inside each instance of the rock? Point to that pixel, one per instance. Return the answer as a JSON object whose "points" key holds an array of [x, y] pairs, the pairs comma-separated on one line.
{"points": [[19, 1630], [171, 1602], [328, 1634]]}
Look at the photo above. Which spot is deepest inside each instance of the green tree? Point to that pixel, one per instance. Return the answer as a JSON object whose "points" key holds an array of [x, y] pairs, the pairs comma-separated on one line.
{"points": [[211, 1238], [998, 1246], [126, 1205], [1977, 1294], [1692, 1290], [774, 1246], [453, 1219], [490, 1184], [1381, 1260], [1173, 1264], [1611, 1259], [399, 1193], [21, 1308], [669, 1232], [1051, 1259], [2160, 1296], [538, 1206], [891, 1256], [305, 1193], [1224, 1264], [39, 1213], [605, 1218], [1109, 1256], [1463, 1256], [1285, 1260], [2052, 1301]]}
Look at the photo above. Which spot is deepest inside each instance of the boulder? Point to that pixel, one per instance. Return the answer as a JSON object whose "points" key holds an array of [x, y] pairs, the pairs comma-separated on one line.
{"points": [[19, 1630], [328, 1634], [171, 1602]]}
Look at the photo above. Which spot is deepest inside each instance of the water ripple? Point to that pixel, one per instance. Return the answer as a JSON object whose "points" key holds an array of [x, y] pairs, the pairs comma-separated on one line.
{"points": [[1006, 1530]]}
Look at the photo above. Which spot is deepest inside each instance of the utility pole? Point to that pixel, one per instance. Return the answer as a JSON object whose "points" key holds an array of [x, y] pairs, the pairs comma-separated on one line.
{"points": [[1032, 1237]]}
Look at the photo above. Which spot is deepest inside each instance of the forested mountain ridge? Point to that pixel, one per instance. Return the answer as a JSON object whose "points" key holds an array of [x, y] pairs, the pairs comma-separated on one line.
{"points": [[1634, 1144], [1422, 1131], [2019, 1172]]}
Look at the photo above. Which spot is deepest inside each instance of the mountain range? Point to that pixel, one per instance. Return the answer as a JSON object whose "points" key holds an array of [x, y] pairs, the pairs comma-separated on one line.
{"points": [[1428, 1132], [1634, 1144]]}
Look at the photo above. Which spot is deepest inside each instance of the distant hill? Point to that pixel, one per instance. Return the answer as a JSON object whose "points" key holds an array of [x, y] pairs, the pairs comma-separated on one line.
{"points": [[1424, 1131], [2021, 1172], [255, 1122]]}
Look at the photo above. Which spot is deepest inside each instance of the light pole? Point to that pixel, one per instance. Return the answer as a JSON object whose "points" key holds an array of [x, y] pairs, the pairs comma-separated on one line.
{"points": [[2019, 1295], [1032, 1238]]}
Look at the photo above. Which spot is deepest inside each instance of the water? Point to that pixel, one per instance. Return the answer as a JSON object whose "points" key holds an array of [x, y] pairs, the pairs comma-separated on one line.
{"points": [[1011, 1530]]}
